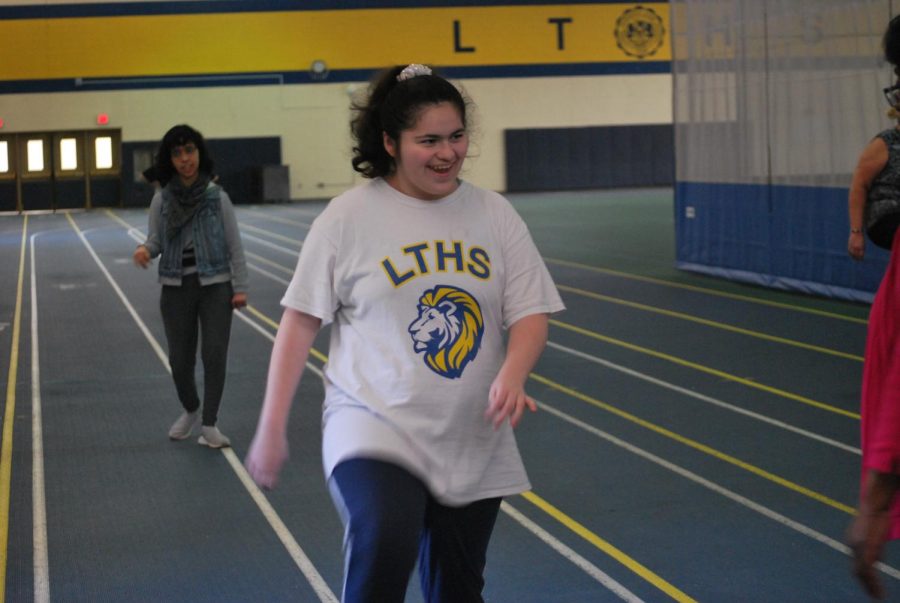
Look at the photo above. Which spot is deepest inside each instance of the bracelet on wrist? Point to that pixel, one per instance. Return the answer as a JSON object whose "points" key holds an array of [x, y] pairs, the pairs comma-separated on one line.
{"points": [[856, 231]]}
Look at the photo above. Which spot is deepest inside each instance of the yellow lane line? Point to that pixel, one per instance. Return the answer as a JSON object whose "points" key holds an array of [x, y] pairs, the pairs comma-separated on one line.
{"points": [[746, 298], [570, 523], [706, 369], [313, 351], [711, 323], [118, 219], [606, 547], [9, 416], [696, 445]]}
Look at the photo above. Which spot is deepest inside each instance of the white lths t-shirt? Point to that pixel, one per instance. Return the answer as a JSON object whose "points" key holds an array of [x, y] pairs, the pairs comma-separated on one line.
{"points": [[419, 293]]}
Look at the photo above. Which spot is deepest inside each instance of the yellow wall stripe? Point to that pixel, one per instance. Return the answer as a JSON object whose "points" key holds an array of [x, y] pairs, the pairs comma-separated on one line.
{"points": [[606, 547], [9, 417], [697, 445], [153, 45]]}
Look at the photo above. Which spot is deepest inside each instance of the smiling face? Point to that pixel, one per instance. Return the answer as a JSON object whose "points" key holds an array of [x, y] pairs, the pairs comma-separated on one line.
{"points": [[186, 161], [430, 154]]}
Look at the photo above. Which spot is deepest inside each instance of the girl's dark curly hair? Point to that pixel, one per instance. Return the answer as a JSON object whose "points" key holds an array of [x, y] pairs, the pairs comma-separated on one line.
{"points": [[890, 43], [391, 107], [179, 136]]}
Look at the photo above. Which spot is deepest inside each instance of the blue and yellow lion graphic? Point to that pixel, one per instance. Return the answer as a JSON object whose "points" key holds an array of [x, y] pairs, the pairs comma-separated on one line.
{"points": [[448, 329]]}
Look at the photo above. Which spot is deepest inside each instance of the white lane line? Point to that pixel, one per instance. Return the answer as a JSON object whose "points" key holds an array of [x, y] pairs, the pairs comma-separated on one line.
{"points": [[270, 234], [576, 559], [265, 243], [706, 290], [268, 335], [683, 472], [665, 384], [265, 272], [284, 534], [266, 261], [280, 219], [707, 399], [741, 500], [300, 558], [138, 236], [593, 571], [38, 491]]}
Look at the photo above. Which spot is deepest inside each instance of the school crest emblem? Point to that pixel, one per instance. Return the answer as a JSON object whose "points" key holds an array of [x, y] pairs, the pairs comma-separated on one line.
{"points": [[639, 32]]}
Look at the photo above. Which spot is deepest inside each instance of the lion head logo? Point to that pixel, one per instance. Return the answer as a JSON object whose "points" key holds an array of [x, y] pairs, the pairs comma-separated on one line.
{"points": [[448, 329]]}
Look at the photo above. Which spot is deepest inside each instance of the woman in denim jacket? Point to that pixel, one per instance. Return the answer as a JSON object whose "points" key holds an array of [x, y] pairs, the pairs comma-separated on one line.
{"points": [[202, 271]]}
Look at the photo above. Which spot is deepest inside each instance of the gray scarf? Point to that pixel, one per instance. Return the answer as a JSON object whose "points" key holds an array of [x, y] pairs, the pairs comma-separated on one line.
{"points": [[183, 202]]}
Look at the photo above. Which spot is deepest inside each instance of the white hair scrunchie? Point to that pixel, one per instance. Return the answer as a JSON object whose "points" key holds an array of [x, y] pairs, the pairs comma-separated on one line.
{"points": [[413, 70]]}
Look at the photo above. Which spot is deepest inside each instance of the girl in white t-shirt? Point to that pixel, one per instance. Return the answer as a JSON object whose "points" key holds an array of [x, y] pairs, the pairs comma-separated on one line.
{"points": [[420, 274]]}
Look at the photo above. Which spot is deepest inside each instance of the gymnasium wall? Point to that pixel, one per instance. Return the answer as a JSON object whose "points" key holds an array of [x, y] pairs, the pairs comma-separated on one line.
{"points": [[773, 102], [244, 69], [589, 157]]}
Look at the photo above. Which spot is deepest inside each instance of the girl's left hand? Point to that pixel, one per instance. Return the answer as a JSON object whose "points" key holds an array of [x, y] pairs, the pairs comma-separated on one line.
{"points": [[507, 400], [238, 300]]}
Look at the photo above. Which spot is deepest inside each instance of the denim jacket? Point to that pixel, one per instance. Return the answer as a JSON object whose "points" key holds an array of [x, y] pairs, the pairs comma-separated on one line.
{"points": [[218, 213], [209, 240]]}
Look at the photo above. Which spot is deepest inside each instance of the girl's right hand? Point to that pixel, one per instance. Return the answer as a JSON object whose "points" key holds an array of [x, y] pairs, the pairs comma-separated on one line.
{"points": [[141, 256], [265, 459]]}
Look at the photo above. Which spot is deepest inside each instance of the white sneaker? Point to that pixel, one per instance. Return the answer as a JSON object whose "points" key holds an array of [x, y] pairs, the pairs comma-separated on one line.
{"points": [[183, 426], [212, 437]]}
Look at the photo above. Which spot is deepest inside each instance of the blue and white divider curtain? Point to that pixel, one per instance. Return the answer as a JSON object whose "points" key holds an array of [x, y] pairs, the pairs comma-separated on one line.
{"points": [[773, 102]]}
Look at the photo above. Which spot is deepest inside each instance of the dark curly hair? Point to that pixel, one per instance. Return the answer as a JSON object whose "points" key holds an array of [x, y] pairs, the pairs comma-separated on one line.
{"points": [[890, 43], [391, 107], [178, 136]]}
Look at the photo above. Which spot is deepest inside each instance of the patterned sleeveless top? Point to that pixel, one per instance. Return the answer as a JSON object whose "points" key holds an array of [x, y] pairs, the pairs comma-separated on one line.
{"points": [[883, 200]]}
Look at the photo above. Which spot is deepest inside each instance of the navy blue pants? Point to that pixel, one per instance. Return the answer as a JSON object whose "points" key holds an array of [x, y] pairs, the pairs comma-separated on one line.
{"points": [[391, 521]]}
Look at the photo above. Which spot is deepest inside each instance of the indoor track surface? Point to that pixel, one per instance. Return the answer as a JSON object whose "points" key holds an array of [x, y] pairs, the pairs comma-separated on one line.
{"points": [[697, 439]]}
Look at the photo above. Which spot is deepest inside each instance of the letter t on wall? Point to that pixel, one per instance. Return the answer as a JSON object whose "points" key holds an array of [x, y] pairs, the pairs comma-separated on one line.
{"points": [[560, 34]]}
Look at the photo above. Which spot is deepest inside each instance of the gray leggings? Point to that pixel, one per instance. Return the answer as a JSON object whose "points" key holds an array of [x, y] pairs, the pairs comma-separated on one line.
{"points": [[187, 311]]}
